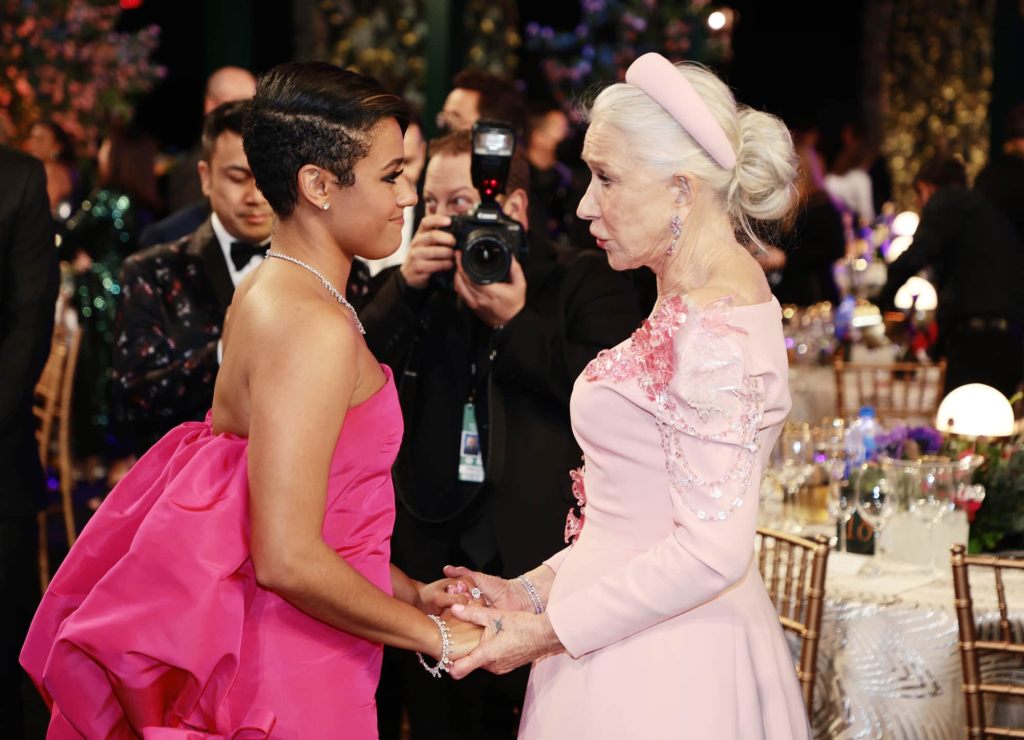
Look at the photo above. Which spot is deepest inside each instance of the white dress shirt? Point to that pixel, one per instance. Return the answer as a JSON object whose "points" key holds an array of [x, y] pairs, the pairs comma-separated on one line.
{"points": [[225, 239]]}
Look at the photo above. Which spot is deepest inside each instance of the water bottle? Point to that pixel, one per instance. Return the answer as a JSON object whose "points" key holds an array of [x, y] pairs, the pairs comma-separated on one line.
{"points": [[860, 439]]}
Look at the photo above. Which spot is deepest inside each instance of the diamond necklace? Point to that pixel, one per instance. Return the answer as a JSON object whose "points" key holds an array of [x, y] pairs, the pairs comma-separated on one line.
{"points": [[327, 284]]}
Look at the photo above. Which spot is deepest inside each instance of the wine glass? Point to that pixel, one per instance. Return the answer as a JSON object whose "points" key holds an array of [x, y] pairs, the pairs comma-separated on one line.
{"points": [[933, 498], [795, 456], [876, 503]]}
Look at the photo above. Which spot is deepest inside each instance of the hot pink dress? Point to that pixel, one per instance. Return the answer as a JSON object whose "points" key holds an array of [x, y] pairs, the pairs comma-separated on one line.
{"points": [[154, 625], [668, 628]]}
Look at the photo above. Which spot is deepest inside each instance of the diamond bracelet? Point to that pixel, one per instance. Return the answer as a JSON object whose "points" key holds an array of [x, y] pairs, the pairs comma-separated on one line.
{"points": [[446, 650], [538, 605]]}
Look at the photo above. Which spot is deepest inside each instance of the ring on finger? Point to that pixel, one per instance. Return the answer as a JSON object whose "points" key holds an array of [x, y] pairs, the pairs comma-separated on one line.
{"points": [[475, 593]]}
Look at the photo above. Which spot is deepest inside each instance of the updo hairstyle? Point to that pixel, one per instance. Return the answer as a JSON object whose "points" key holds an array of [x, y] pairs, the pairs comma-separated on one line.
{"points": [[761, 188], [312, 113]]}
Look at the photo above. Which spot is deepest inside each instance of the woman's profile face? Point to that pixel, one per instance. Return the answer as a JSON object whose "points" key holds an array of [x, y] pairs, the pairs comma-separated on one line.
{"points": [[629, 206], [367, 216]]}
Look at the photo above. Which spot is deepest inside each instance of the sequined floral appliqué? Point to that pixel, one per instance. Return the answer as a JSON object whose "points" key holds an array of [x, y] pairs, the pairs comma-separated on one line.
{"points": [[714, 384], [573, 523]]}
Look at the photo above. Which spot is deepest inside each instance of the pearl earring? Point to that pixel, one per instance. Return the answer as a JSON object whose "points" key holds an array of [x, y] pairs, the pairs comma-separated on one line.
{"points": [[326, 206], [677, 229]]}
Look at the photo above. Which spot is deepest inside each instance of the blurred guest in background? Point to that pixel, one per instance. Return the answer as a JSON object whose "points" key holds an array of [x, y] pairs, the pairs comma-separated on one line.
{"points": [[848, 180], [50, 144], [813, 241], [477, 94], [554, 190], [1002, 180], [28, 290], [96, 240], [977, 265], [225, 85]]}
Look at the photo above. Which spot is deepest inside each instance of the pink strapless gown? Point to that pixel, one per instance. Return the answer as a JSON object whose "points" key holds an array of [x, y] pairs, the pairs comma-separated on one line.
{"points": [[154, 625]]}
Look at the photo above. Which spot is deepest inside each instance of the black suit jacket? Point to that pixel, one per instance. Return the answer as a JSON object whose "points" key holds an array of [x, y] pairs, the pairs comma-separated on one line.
{"points": [[180, 223], [169, 322], [29, 278], [575, 306]]}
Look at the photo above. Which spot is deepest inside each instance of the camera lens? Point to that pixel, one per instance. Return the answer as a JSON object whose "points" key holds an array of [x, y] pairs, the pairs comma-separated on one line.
{"points": [[487, 257]]}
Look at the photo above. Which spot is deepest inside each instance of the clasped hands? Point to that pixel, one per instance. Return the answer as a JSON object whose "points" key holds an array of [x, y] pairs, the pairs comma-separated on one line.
{"points": [[505, 631]]}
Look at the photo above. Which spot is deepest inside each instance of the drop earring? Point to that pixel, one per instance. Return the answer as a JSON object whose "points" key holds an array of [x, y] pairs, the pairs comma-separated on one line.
{"points": [[677, 229]]}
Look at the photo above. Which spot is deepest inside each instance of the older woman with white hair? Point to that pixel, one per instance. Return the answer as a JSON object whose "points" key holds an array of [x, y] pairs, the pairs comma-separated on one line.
{"points": [[655, 622]]}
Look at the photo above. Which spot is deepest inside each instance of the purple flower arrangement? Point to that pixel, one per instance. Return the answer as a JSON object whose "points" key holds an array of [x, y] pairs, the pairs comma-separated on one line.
{"points": [[908, 443]]}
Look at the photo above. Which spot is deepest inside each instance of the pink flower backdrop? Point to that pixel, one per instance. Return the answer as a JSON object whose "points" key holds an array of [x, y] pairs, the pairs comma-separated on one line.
{"points": [[65, 60]]}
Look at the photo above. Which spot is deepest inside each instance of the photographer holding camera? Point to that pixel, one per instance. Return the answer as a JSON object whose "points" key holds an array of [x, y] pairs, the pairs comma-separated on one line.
{"points": [[486, 326]]}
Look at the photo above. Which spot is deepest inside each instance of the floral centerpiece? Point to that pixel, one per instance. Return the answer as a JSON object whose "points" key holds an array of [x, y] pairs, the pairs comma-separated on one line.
{"points": [[65, 60], [998, 522]]}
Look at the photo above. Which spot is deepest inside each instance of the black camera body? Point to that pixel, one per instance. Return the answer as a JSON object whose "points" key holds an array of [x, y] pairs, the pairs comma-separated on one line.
{"points": [[487, 238]]}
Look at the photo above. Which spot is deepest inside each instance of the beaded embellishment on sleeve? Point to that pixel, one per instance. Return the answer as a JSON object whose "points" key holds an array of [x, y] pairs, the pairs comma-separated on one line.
{"points": [[728, 404]]}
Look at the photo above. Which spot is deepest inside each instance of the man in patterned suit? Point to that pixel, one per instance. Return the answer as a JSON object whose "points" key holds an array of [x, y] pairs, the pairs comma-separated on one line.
{"points": [[176, 294]]}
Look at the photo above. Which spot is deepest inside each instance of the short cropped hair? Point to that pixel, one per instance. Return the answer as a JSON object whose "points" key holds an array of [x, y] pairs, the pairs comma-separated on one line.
{"points": [[461, 142], [499, 98], [942, 172], [312, 113], [225, 117]]}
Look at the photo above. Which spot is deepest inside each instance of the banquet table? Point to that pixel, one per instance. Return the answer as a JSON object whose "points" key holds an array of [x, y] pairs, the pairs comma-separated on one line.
{"points": [[888, 663]]}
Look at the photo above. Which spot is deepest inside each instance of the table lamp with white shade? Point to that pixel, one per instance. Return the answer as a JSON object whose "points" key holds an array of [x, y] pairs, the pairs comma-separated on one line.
{"points": [[975, 410]]}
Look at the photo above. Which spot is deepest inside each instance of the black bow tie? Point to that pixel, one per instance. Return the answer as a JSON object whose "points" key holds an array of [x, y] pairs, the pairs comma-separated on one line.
{"points": [[243, 252]]}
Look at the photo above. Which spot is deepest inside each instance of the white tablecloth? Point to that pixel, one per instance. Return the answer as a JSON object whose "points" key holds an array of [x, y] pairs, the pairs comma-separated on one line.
{"points": [[888, 661]]}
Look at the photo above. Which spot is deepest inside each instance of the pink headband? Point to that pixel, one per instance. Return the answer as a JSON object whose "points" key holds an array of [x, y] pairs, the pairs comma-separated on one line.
{"points": [[663, 82]]}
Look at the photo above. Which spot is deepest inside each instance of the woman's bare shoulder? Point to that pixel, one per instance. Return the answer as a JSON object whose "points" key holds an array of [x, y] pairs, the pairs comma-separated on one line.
{"points": [[273, 320]]}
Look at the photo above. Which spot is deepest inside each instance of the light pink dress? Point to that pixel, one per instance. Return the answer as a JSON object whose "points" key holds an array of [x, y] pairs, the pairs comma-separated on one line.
{"points": [[668, 628], [155, 627]]}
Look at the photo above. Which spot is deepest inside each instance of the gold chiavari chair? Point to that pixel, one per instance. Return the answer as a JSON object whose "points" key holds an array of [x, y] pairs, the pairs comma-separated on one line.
{"points": [[974, 686], [793, 569], [52, 406], [904, 390]]}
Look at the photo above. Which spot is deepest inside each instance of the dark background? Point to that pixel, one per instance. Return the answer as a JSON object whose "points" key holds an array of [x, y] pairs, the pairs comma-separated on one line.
{"points": [[800, 59]]}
